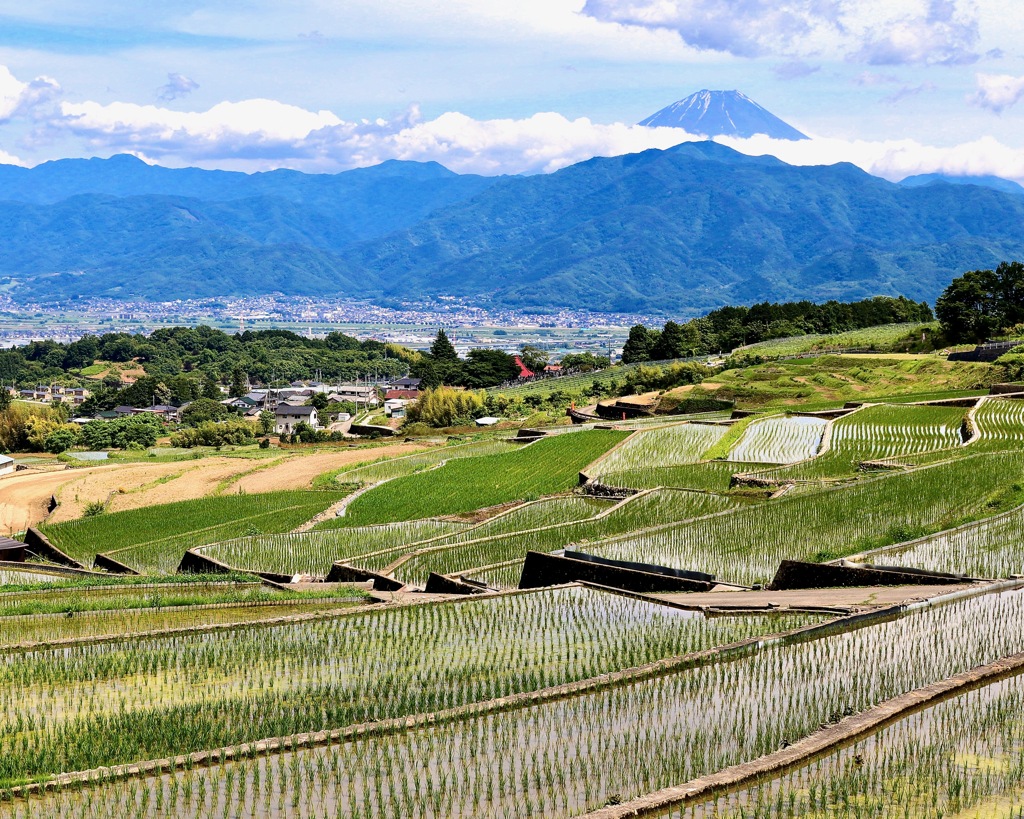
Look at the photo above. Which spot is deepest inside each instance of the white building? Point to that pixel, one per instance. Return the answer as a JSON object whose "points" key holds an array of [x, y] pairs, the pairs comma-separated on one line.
{"points": [[7, 465], [288, 417]]}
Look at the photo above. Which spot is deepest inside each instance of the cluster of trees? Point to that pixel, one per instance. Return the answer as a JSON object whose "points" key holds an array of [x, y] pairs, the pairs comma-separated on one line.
{"points": [[236, 431], [729, 327], [447, 407], [983, 303], [207, 355], [480, 368]]}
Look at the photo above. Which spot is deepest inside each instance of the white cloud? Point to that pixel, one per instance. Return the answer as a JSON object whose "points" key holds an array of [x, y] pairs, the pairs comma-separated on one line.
{"points": [[997, 92], [178, 86], [879, 32], [19, 98], [263, 134]]}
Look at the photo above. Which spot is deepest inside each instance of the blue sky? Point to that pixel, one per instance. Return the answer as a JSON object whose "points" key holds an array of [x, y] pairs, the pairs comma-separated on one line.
{"points": [[896, 86]]}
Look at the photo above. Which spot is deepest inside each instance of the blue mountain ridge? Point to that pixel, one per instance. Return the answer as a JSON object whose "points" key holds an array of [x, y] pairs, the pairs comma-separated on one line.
{"points": [[679, 231]]}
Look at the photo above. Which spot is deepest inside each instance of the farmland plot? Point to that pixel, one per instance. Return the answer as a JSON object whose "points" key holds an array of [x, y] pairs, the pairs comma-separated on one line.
{"points": [[746, 545], [990, 548], [153, 539], [958, 758], [410, 464], [1000, 424], [647, 510], [313, 552], [712, 476], [780, 440], [668, 446], [563, 757], [77, 708], [546, 467], [883, 431]]}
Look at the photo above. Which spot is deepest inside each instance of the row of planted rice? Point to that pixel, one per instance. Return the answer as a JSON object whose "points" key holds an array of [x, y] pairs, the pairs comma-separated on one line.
{"points": [[961, 757], [567, 756], [747, 544], [780, 439], [130, 699], [991, 548], [878, 432]]}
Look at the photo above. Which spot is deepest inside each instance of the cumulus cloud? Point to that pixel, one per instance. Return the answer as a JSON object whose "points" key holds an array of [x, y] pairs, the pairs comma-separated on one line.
{"points": [[872, 31], [178, 86], [19, 98], [997, 92], [264, 134]]}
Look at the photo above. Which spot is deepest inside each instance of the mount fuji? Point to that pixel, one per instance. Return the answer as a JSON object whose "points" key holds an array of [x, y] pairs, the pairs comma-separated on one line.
{"points": [[722, 113]]}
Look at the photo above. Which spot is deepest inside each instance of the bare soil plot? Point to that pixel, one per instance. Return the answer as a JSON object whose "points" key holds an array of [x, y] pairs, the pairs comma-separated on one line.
{"points": [[299, 471], [25, 496], [140, 484]]}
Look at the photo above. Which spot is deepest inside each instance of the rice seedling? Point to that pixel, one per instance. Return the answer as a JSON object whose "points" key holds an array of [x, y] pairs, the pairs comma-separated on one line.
{"points": [[747, 544], [567, 756], [780, 439], [17, 577], [313, 552], [880, 432], [131, 699], [667, 446], [545, 467], [962, 757], [154, 538], [999, 423]]}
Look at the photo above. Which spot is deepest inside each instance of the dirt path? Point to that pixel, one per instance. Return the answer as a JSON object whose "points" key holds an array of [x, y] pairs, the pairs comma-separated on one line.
{"points": [[298, 471]]}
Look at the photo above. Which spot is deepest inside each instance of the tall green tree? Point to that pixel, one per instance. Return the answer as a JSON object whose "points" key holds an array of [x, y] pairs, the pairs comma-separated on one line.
{"points": [[981, 303], [442, 348], [239, 383], [639, 343]]}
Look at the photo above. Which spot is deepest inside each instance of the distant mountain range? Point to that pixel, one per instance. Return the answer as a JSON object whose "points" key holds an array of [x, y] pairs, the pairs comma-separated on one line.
{"points": [[722, 113], [677, 231]]}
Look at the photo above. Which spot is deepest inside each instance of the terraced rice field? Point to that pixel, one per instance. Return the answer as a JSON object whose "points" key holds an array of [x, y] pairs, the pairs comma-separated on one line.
{"points": [[669, 446], [389, 468], [711, 476], [314, 552], [567, 756], [780, 440], [746, 545], [153, 540], [546, 467], [958, 758], [1000, 424], [76, 708], [878, 432], [653, 509], [991, 548]]}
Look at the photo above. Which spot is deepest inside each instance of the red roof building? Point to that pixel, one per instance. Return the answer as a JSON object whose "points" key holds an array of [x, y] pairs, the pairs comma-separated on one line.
{"points": [[409, 395]]}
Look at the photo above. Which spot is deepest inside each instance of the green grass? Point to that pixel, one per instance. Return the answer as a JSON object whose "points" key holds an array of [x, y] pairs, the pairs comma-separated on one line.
{"points": [[580, 384], [723, 446], [155, 537], [884, 337], [546, 467], [832, 380]]}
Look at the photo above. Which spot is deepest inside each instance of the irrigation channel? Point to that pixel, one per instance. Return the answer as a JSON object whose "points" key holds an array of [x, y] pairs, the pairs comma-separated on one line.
{"points": [[610, 739]]}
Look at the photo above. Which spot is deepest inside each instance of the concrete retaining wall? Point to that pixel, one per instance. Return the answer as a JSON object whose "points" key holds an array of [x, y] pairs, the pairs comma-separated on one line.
{"points": [[39, 545], [344, 573], [795, 574], [110, 565], [540, 570], [439, 584]]}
